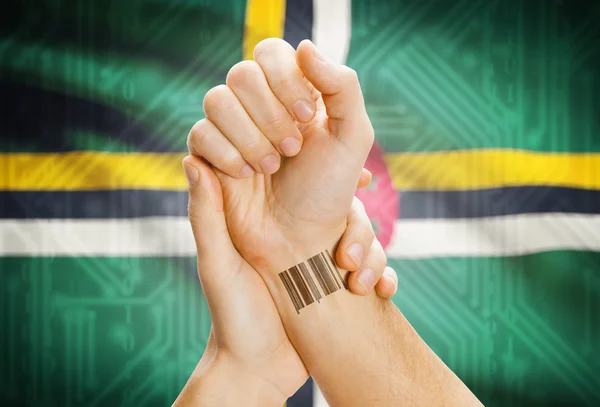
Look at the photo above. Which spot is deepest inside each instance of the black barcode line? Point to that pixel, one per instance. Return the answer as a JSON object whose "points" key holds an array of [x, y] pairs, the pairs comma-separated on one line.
{"points": [[337, 271], [311, 283], [299, 281], [289, 287], [301, 285], [318, 268], [313, 266], [330, 268]]}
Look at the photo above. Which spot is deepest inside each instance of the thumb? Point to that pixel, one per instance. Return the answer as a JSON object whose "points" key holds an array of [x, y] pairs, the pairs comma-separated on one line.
{"points": [[217, 256], [339, 87]]}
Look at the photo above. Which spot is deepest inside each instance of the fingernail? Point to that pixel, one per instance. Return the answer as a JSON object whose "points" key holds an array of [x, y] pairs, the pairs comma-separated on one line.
{"points": [[247, 171], [191, 174], [270, 164], [303, 110], [366, 278], [290, 146], [355, 252]]}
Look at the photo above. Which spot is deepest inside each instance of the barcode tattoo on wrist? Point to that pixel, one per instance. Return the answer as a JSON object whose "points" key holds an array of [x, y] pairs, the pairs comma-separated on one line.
{"points": [[312, 280]]}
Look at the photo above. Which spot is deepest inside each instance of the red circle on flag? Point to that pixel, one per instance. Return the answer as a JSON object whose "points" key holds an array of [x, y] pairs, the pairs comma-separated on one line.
{"points": [[381, 201]]}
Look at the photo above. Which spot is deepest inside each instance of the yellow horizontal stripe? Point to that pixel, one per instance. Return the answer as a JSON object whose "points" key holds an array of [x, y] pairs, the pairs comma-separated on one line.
{"points": [[264, 19], [87, 170], [479, 169], [456, 170]]}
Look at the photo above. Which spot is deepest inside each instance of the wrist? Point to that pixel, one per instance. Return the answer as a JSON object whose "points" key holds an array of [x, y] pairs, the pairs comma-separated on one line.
{"points": [[297, 246], [218, 380], [252, 389], [306, 277]]}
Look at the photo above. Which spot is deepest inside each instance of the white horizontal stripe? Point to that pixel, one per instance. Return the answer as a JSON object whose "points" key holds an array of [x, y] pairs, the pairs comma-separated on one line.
{"points": [[494, 236], [172, 236], [331, 28], [161, 236]]}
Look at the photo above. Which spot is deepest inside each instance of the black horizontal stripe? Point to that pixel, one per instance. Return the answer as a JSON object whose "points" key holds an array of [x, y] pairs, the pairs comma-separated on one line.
{"points": [[413, 205], [497, 202], [92, 204], [35, 119]]}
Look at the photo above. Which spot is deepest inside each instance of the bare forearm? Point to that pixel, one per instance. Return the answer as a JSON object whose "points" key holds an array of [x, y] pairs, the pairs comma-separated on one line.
{"points": [[362, 351]]}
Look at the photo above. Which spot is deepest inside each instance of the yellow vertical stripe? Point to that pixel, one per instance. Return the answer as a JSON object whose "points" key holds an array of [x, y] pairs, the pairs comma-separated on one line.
{"points": [[264, 19]]}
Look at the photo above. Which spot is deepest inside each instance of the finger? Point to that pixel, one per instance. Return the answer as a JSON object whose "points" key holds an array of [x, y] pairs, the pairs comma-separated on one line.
{"points": [[341, 94], [362, 281], [247, 80], [387, 285], [365, 178], [225, 111], [357, 238], [207, 141], [205, 211], [277, 59]]}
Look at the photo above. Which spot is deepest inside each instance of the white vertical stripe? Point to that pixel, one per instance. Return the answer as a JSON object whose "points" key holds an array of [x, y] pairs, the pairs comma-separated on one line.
{"points": [[318, 399], [332, 25]]}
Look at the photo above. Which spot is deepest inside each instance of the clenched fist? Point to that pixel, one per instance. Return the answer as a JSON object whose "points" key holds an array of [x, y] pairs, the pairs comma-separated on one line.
{"points": [[254, 203], [296, 103]]}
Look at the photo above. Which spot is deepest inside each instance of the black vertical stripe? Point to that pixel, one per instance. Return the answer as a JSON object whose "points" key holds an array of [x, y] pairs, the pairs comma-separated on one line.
{"points": [[299, 281], [301, 285], [298, 21], [330, 271], [337, 271], [289, 287], [321, 268], [320, 279], [311, 284], [303, 397]]}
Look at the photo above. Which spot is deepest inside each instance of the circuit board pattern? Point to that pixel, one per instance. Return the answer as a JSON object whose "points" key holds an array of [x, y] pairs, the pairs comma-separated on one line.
{"points": [[437, 75]]}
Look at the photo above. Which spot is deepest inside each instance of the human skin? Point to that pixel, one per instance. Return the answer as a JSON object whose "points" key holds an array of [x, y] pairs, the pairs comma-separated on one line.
{"points": [[280, 216], [249, 359]]}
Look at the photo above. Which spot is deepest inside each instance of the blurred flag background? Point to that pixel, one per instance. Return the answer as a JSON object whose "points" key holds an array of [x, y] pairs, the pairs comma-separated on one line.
{"points": [[486, 191]]}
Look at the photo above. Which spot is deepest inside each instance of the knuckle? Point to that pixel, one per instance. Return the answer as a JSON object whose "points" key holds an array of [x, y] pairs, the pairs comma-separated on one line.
{"points": [[215, 98], [228, 162], [284, 85], [379, 258], [276, 123], [241, 73], [196, 136], [254, 150], [370, 233], [349, 74], [269, 46]]}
